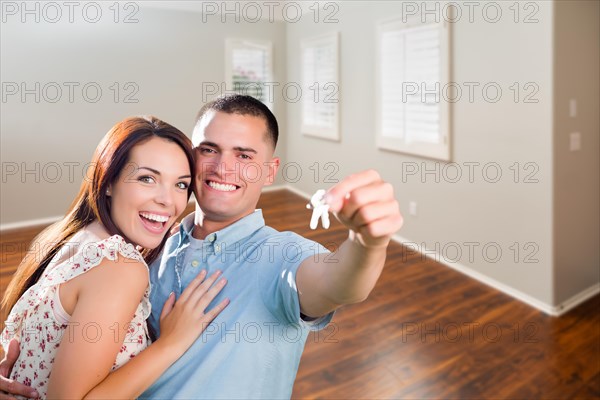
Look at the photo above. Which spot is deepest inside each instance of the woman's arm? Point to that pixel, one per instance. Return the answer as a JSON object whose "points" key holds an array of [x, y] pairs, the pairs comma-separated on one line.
{"points": [[108, 296]]}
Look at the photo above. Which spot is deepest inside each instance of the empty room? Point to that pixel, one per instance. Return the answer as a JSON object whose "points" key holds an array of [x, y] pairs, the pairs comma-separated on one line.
{"points": [[300, 199]]}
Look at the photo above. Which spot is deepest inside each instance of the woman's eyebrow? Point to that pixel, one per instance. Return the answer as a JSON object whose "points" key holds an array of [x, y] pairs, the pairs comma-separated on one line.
{"points": [[150, 169]]}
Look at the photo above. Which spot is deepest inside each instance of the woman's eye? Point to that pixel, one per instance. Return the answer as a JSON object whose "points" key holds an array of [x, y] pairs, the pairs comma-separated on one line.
{"points": [[146, 179], [183, 185]]}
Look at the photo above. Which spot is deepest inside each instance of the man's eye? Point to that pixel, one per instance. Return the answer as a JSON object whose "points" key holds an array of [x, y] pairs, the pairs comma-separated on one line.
{"points": [[245, 157], [206, 150]]}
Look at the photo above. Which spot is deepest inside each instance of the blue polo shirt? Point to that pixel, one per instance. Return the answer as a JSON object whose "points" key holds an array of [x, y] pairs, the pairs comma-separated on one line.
{"points": [[253, 348]]}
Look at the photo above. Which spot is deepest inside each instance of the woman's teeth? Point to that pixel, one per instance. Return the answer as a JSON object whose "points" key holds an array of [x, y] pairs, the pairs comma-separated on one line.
{"points": [[155, 217]]}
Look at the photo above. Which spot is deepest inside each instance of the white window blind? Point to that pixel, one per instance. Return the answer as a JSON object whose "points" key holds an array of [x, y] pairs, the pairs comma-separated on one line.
{"points": [[413, 68], [320, 86], [248, 67]]}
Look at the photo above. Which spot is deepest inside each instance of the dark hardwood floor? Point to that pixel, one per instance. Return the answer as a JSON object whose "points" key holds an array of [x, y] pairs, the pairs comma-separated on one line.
{"points": [[426, 331]]}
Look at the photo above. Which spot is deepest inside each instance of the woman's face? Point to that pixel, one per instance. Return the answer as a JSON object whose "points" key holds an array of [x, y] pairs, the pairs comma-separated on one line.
{"points": [[150, 192]]}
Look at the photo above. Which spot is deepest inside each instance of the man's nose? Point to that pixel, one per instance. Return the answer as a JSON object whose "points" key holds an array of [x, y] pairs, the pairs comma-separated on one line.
{"points": [[229, 164], [225, 166]]}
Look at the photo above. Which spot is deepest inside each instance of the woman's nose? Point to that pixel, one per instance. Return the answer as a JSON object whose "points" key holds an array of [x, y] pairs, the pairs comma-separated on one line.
{"points": [[165, 196]]}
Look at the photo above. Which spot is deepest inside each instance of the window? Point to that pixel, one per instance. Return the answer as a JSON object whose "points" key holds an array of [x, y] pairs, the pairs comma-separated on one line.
{"points": [[412, 84], [320, 86], [248, 66]]}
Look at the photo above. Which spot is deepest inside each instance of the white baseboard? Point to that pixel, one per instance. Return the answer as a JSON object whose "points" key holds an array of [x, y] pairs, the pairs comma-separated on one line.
{"points": [[273, 188], [470, 272], [549, 309], [43, 221], [576, 300], [298, 192], [29, 223], [553, 310]]}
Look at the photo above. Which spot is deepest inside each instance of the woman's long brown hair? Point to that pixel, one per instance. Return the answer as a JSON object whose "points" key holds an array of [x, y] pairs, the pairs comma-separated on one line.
{"points": [[92, 203]]}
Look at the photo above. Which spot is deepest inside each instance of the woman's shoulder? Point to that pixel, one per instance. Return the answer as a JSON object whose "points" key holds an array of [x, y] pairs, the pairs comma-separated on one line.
{"points": [[113, 248], [89, 248], [109, 266], [94, 242]]}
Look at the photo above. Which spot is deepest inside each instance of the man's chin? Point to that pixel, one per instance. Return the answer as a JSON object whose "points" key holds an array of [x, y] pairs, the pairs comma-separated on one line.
{"points": [[218, 212]]}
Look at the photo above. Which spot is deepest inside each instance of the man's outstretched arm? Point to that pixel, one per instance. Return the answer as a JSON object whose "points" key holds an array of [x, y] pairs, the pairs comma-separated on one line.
{"points": [[366, 205], [9, 387]]}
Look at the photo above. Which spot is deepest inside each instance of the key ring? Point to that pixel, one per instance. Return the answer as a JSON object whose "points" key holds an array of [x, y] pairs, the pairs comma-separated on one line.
{"points": [[320, 210]]}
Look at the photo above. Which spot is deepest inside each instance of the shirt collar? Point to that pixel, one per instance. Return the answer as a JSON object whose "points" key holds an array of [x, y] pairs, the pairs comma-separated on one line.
{"points": [[230, 234]]}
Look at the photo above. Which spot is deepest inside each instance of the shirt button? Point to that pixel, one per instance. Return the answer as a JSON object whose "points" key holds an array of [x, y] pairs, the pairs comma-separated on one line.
{"points": [[217, 248], [211, 238], [195, 263]]}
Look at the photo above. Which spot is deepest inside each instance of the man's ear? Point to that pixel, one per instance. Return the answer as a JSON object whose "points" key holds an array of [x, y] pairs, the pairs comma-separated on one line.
{"points": [[272, 168]]}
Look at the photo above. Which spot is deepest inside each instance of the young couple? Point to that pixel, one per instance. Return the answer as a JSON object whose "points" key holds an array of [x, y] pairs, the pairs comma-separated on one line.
{"points": [[71, 309]]}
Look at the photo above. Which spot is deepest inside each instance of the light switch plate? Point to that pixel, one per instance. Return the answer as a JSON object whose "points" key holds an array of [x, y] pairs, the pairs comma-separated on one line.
{"points": [[575, 141], [572, 108], [412, 208]]}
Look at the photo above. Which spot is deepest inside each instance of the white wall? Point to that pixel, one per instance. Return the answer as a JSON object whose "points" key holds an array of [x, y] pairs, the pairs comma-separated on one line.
{"points": [[453, 215], [168, 55]]}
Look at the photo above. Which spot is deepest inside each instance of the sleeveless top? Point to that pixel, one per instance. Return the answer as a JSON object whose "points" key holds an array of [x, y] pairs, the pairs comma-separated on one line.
{"points": [[39, 321]]}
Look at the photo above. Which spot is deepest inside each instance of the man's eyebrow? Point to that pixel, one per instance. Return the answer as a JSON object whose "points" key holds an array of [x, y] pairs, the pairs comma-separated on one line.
{"points": [[158, 172], [207, 143], [237, 148], [245, 149]]}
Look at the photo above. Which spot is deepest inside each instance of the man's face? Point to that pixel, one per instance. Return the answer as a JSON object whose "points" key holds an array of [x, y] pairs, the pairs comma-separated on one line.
{"points": [[234, 160]]}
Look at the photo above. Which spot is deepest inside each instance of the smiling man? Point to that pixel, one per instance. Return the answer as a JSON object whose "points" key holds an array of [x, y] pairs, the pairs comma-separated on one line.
{"points": [[281, 285], [234, 160]]}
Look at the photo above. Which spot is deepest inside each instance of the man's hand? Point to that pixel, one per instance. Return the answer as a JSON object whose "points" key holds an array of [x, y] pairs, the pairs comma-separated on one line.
{"points": [[366, 205], [8, 386]]}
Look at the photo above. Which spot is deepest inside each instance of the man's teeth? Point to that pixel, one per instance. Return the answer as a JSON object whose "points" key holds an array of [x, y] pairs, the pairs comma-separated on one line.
{"points": [[155, 217], [221, 186]]}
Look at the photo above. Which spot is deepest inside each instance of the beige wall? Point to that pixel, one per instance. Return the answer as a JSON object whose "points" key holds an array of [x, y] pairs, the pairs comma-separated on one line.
{"points": [[545, 224], [168, 55], [576, 173], [465, 215]]}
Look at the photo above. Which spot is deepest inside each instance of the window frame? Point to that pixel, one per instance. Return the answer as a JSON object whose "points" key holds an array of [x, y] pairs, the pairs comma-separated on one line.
{"points": [[333, 133], [230, 45], [439, 151]]}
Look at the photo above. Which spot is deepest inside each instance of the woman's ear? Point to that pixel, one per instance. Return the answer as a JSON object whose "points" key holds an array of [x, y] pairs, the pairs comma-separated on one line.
{"points": [[109, 190]]}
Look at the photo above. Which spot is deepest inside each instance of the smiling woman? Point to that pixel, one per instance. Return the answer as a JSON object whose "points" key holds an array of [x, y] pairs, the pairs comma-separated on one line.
{"points": [[151, 192], [93, 273]]}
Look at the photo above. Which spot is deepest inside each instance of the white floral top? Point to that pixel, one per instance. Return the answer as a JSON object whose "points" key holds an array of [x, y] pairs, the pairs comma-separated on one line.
{"points": [[39, 321]]}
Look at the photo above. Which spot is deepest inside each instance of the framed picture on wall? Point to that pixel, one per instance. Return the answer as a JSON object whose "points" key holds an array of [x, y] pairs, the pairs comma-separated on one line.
{"points": [[320, 86]]}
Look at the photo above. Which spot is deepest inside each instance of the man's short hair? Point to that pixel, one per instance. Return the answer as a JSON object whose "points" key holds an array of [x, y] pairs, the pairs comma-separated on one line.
{"points": [[243, 105]]}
